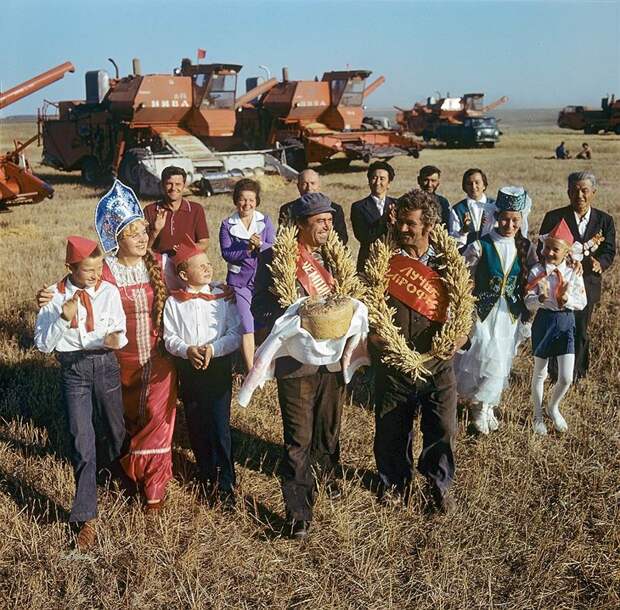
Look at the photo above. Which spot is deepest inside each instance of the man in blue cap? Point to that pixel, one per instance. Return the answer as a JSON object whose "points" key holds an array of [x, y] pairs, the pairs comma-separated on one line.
{"points": [[310, 396]]}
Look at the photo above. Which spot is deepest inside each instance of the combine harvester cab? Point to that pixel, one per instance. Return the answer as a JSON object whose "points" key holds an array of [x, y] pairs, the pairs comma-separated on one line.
{"points": [[18, 185], [321, 121], [136, 126]]}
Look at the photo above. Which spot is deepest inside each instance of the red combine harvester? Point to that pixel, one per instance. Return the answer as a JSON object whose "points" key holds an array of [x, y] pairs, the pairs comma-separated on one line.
{"points": [[135, 126], [453, 120], [591, 120], [320, 121], [18, 185]]}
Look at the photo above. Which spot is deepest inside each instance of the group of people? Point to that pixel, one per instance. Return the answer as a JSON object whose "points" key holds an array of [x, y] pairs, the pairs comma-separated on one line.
{"points": [[138, 317], [561, 152]]}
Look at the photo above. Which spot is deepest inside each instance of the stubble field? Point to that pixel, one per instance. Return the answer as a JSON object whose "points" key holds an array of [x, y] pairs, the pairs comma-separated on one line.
{"points": [[537, 524]]}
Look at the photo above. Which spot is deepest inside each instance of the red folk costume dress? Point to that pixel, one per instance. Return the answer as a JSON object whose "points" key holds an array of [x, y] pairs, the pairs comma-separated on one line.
{"points": [[149, 383]]}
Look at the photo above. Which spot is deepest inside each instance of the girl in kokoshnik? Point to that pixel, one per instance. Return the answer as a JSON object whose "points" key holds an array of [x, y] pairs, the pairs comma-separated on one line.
{"points": [[473, 216], [148, 377], [499, 262], [243, 236], [554, 291]]}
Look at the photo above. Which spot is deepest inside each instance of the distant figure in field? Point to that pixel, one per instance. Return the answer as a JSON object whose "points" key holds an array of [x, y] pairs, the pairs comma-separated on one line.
{"points": [[585, 152], [429, 179], [561, 152]]}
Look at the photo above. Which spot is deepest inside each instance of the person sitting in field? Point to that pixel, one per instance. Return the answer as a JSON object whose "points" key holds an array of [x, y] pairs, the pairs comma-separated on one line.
{"points": [[561, 152], [585, 152], [201, 329], [173, 217], [554, 291], [83, 324]]}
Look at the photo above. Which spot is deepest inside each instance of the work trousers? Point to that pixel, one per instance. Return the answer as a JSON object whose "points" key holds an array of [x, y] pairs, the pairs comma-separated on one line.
{"points": [[206, 396], [92, 398], [398, 400], [311, 409]]}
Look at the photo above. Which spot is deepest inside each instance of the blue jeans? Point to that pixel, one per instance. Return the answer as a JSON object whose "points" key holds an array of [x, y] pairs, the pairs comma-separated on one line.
{"points": [[91, 390]]}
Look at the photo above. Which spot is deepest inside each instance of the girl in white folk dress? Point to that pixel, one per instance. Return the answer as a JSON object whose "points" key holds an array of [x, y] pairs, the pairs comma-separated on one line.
{"points": [[499, 262]]}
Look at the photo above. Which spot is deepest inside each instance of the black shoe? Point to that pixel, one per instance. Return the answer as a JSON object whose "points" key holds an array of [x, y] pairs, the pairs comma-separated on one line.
{"points": [[227, 499], [444, 501], [333, 490], [299, 529]]}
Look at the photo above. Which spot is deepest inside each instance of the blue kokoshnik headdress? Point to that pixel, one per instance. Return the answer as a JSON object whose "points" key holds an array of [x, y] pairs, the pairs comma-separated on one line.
{"points": [[118, 208], [514, 199]]}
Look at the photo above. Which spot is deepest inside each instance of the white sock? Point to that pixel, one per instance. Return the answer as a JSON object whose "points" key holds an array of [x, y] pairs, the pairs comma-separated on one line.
{"points": [[566, 364], [538, 386]]}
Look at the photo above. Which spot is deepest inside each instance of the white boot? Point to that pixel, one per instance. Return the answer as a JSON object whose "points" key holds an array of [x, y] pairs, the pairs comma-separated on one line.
{"points": [[559, 423], [539, 426], [491, 419], [479, 418]]}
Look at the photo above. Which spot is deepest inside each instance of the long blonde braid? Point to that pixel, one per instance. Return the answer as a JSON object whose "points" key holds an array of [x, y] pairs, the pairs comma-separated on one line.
{"points": [[160, 292]]}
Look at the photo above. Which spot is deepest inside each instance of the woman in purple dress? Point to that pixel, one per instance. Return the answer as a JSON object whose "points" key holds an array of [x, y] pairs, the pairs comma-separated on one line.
{"points": [[242, 237]]}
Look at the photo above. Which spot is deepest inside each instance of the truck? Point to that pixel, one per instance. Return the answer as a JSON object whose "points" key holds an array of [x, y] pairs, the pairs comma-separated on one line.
{"points": [[456, 121]]}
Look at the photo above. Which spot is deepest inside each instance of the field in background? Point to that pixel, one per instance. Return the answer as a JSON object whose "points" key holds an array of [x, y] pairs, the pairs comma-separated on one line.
{"points": [[537, 523]]}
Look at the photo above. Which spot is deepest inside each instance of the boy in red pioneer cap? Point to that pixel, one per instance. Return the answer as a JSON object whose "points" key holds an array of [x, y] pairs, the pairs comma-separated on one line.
{"points": [[202, 329], [83, 324]]}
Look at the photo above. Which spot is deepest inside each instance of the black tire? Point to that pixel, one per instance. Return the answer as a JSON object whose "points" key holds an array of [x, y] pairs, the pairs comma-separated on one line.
{"points": [[91, 171], [590, 129], [295, 155], [617, 129], [127, 171]]}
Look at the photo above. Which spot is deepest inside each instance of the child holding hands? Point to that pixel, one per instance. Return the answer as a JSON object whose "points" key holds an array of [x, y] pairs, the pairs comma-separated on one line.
{"points": [[83, 324], [554, 291], [201, 328]]}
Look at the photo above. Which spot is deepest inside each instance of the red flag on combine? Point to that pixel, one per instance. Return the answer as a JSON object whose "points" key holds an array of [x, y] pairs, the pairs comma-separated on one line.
{"points": [[201, 53]]}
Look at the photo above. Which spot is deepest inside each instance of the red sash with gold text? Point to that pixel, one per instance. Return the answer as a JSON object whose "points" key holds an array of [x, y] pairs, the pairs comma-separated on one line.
{"points": [[418, 287], [315, 279]]}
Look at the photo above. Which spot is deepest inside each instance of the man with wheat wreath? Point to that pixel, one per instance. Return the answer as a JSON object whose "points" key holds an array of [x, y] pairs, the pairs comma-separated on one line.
{"points": [[307, 259], [420, 310]]}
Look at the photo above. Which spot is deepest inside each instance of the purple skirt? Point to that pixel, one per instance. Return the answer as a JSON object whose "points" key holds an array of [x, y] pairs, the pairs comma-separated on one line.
{"points": [[243, 295]]}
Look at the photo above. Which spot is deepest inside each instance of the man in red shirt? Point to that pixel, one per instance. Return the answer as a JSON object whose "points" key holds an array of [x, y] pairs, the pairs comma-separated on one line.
{"points": [[173, 217]]}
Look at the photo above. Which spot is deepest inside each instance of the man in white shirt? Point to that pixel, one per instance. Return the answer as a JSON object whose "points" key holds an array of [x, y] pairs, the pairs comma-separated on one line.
{"points": [[370, 216], [202, 329], [83, 323]]}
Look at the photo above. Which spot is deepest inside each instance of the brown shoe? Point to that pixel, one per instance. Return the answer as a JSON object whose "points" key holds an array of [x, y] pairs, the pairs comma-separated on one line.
{"points": [[87, 536]]}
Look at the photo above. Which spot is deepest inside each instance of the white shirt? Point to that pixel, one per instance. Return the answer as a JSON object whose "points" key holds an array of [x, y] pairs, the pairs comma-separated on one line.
{"points": [[201, 322], [238, 228], [53, 333], [482, 215], [380, 203], [582, 222], [575, 293]]}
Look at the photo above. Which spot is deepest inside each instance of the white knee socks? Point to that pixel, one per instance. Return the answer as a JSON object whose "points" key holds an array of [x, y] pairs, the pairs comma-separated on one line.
{"points": [[566, 364]]}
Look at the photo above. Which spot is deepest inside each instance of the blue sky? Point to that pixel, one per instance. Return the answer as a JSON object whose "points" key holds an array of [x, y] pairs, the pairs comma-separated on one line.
{"points": [[539, 53]]}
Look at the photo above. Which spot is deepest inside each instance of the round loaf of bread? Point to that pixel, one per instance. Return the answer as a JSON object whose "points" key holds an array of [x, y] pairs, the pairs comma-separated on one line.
{"points": [[326, 317]]}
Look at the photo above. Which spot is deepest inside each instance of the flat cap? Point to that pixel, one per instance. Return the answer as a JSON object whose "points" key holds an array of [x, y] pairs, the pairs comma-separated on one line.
{"points": [[310, 204]]}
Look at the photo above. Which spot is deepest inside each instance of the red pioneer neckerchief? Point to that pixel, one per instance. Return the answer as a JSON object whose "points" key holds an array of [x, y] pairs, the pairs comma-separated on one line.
{"points": [[84, 299], [542, 275], [184, 295], [419, 287], [314, 278]]}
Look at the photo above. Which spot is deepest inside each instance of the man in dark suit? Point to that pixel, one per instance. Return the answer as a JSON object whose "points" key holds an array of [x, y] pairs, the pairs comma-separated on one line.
{"points": [[309, 181], [429, 179], [595, 231], [371, 216]]}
